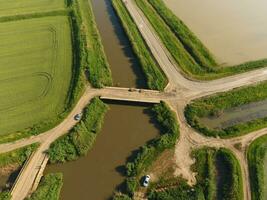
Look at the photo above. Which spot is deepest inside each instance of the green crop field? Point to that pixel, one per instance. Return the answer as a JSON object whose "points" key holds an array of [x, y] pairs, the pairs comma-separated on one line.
{"points": [[257, 159], [35, 72], [14, 7]]}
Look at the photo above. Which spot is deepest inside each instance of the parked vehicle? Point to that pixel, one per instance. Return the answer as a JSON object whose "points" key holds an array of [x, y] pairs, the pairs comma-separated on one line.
{"points": [[78, 117], [146, 181]]}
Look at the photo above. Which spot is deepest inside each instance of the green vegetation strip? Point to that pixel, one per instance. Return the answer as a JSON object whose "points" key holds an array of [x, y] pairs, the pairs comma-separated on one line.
{"points": [[17, 156], [49, 187], [150, 152], [257, 168], [156, 79], [15, 7], [216, 104], [187, 50], [82, 137], [206, 187], [5, 196]]}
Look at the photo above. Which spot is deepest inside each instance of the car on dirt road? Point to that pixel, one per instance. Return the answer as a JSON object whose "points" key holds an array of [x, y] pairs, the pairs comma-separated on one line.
{"points": [[78, 117], [146, 181]]}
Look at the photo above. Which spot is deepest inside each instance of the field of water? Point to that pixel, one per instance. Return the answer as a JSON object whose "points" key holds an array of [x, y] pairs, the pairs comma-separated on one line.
{"points": [[235, 31]]}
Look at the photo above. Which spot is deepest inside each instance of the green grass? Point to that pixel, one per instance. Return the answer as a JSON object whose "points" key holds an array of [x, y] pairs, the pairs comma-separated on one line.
{"points": [[216, 104], [187, 50], [257, 168], [17, 156], [49, 187], [155, 78], [15, 7], [5, 196], [82, 137], [181, 192], [205, 169], [36, 70]]}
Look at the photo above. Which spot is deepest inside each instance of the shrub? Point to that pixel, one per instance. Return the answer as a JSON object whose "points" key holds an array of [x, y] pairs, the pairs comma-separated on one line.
{"points": [[82, 137]]}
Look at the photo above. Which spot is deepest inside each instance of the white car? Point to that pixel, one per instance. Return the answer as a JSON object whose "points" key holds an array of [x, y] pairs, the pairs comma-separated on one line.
{"points": [[78, 117], [146, 181]]}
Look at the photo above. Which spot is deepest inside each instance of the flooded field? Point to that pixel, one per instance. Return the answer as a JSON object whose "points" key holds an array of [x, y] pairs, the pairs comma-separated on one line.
{"points": [[125, 129], [237, 115], [126, 70], [235, 31]]}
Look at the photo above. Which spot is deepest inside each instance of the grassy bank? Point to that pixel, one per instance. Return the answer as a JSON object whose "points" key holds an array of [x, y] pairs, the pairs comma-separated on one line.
{"points": [[82, 137], [92, 54], [256, 155], [154, 76], [187, 50], [5, 196], [218, 103], [148, 153], [206, 174], [17, 156], [49, 188], [206, 187]]}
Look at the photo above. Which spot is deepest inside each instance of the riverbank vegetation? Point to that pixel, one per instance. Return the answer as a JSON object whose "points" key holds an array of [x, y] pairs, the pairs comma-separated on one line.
{"points": [[148, 153], [82, 137], [49, 187], [5, 196], [187, 50], [216, 104], [17, 156], [155, 78], [209, 186], [93, 58], [257, 168]]}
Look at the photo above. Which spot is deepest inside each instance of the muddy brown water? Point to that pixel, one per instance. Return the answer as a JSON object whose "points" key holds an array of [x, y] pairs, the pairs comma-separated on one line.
{"points": [[237, 115], [235, 31], [96, 176], [126, 70]]}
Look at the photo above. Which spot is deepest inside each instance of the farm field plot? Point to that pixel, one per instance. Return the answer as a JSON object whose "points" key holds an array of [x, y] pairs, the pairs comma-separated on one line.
{"points": [[257, 157], [14, 7], [35, 72]]}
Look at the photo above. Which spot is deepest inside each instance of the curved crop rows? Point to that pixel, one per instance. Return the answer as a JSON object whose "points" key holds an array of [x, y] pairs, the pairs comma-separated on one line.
{"points": [[36, 67]]}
